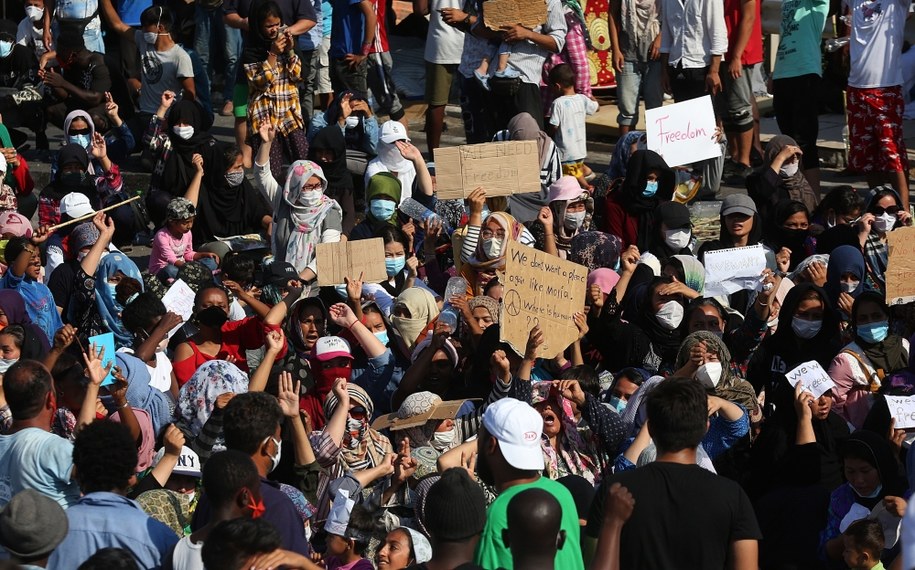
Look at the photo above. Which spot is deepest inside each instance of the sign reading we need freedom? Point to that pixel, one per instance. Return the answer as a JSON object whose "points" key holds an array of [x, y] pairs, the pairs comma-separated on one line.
{"points": [[683, 133]]}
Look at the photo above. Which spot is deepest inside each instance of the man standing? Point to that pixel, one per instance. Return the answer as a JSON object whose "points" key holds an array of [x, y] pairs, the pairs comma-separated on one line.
{"points": [[693, 40]]}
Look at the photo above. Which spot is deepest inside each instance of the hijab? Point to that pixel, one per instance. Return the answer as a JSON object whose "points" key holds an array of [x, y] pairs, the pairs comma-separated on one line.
{"points": [[622, 152], [223, 210], [197, 398], [487, 303], [796, 185], [368, 448], [423, 310], [179, 167], [80, 114], [780, 237], [889, 354], [108, 307], [256, 43], [631, 191], [354, 137], [604, 278], [576, 455], [339, 179], [298, 233], [523, 127], [784, 343], [141, 395], [729, 387], [877, 451], [844, 259], [595, 250], [693, 271], [62, 185], [13, 307], [664, 342], [513, 230], [563, 192], [382, 184]]}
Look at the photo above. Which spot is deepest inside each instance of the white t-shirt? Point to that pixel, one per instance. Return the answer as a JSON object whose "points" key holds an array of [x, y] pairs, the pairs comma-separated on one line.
{"points": [[876, 42], [186, 555], [162, 71], [160, 377], [444, 43], [28, 36], [568, 116]]}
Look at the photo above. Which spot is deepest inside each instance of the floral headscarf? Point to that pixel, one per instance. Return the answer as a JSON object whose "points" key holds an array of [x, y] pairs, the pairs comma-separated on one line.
{"points": [[368, 448], [198, 397], [574, 452], [513, 230], [487, 303], [595, 250]]}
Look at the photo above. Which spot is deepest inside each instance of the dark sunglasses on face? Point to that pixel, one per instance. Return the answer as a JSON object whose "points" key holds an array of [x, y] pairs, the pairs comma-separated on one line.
{"points": [[85, 131], [878, 211]]}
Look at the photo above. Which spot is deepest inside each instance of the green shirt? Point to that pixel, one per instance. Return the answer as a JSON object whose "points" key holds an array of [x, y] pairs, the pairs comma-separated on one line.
{"points": [[492, 552], [802, 31]]}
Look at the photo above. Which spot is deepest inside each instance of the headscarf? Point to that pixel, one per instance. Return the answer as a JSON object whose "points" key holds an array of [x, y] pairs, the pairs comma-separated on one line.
{"points": [[223, 210], [730, 387], [13, 307], [797, 186], [16, 224], [179, 167], [422, 549], [338, 176], [147, 446], [108, 307], [672, 215], [487, 303], [604, 278], [382, 184], [563, 192], [784, 342], [423, 310], [693, 272], [523, 127], [780, 237], [80, 114], [292, 327], [876, 450], [889, 354], [354, 137], [256, 44], [513, 230], [622, 151], [595, 250], [369, 448], [141, 395], [576, 455], [198, 397], [633, 186], [298, 234]]}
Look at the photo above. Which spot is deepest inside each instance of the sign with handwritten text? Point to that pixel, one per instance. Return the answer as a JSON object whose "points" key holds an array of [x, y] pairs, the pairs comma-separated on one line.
{"points": [[730, 270], [902, 409], [814, 378], [683, 133], [540, 289], [500, 168], [900, 266]]}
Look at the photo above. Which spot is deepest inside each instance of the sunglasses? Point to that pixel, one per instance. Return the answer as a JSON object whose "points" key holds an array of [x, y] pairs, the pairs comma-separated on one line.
{"points": [[85, 131], [878, 211]]}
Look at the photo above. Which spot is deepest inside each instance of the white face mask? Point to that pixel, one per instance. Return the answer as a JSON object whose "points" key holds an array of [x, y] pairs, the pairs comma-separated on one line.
{"points": [[805, 329], [677, 239], [789, 170], [34, 13], [573, 220], [351, 122], [492, 247], [709, 374], [670, 315], [5, 364], [442, 440], [275, 460], [849, 286], [885, 222], [310, 197], [150, 37], [185, 132]]}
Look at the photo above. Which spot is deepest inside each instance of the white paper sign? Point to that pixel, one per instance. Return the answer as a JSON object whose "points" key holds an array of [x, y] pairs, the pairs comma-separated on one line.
{"points": [[902, 409], [730, 270], [683, 133], [815, 379], [179, 299]]}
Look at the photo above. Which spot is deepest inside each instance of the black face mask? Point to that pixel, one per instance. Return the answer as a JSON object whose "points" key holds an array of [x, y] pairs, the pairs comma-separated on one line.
{"points": [[213, 317]]}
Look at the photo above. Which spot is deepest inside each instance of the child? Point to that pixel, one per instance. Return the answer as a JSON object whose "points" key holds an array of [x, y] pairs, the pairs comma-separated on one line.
{"points": [[273, 96], [11, 339], [30, 32], [864, 542], [502, 71], [348, 532], [567, 116], [172, 246], [24, 276]]}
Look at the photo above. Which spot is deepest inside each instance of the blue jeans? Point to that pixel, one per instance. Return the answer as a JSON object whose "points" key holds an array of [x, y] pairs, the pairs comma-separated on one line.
{"points": [[201, 81], [210, 24], [638, 78]]}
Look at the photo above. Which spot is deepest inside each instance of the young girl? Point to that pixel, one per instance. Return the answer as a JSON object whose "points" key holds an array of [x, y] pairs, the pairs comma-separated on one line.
{"points": [[11, 339], [273, 70], [172, 246]]}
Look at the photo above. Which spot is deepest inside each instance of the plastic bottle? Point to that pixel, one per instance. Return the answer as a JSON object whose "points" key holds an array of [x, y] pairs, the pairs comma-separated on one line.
{"points": [[421, 213], [449, 317]]}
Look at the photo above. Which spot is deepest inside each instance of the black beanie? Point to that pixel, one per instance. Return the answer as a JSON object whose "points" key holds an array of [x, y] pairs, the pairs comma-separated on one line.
{"points": [[455, 508]]}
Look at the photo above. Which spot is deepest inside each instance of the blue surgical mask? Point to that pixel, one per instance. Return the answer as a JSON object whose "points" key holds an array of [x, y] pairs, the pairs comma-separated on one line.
{"points": [[81, 140], [6, 48], [382, 209], [651, 188], [113, 295], [382, 336], [874, 332], [394, 265], [873, 495], [618, 404]]}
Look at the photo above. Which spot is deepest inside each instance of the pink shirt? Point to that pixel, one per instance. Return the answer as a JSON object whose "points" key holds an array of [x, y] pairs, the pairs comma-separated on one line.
{"points": [[167, 249]]}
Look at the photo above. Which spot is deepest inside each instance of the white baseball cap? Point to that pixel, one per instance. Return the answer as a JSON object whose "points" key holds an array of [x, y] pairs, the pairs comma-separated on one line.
{"points": [[393, 131], [188, 462], [517, 427], [329, 347], [75, 205]]}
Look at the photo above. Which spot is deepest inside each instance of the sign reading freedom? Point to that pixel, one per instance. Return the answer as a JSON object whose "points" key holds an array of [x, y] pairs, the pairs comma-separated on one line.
{"points": [[683, 133]]}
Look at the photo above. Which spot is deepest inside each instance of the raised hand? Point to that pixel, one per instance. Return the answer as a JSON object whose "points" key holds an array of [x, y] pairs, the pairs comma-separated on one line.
{"points": [[342, 315], [93, 360], [288, 395]]}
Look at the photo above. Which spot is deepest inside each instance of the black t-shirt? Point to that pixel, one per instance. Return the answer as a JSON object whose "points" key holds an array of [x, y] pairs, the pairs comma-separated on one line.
{"points": [[18, 68], [94, 77], [61, 283], [684, 517]]}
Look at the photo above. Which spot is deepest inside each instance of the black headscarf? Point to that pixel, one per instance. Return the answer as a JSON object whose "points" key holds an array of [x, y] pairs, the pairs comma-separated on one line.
{"points": [[664, 342], [641, 162], [354, 137], [63, 185], [822, 347], [876, 450], [670, 214], [257, 44], [779, 237], [179, 167], [889, 354], [338, 176]]}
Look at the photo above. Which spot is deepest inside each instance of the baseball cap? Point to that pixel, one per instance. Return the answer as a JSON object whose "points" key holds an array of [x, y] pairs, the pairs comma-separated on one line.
{"points": [[75, 205], [517, 427], [329, 347], [393, 131], [738, 204], [417, 409], [188, 462], [280, 273]]}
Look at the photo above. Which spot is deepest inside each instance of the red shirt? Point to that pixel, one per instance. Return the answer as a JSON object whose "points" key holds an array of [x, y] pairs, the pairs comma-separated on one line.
{"points": [[237, 337], [753, 53], [620, 222], [380, 44]]}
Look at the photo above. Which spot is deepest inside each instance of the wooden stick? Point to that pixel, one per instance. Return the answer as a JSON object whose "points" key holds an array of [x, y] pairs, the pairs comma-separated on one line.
{"points": [[92, 215]]}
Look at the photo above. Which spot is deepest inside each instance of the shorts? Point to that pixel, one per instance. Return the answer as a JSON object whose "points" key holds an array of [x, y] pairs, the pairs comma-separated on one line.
{"points": [[438, 82], [322, 80], [737, 100], [875, 130], [576, 169], [240, 100]]}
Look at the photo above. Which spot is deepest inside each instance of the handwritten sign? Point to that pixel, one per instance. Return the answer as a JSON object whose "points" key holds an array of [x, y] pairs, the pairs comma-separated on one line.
{"points": [[900, 267], [902, 409], [683, 133], [730, 270], [179, 299], [104, 342], [540, 289], [351, 259], [528, 13], [502, 168], [815, 379]]}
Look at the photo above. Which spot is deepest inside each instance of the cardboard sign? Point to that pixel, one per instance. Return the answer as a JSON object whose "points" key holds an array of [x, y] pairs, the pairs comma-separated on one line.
{"points": [[900, 267], [528, 13], [540, 289], [179, 299], [730, 270], [815, 379], [683, 133], [106, 342], [501, 168], [902, 409], [351, 259]]}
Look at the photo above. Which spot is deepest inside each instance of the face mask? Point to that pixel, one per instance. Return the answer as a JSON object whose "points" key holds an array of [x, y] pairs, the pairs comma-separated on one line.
{"points": [[351, 122], [34, 13], [849, 286], [574, 220], [873, 495], [831, 223], [492, 247], [677, 239], [81, 140], [5, 364], [183, 132], [382, 336], [670, 315], [235, 178], [618, 404], [353, 432], [325, 377], [275, 459], [805, 329], [709, 374], [213, 317], [885, 222], [394, 265], [651, 188], [382, 209], [5, 48], [874, 332], [442, 440], [150, 37], [310, 198], [789, 170], [72, 178], [483, 215], [113, 295]]}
